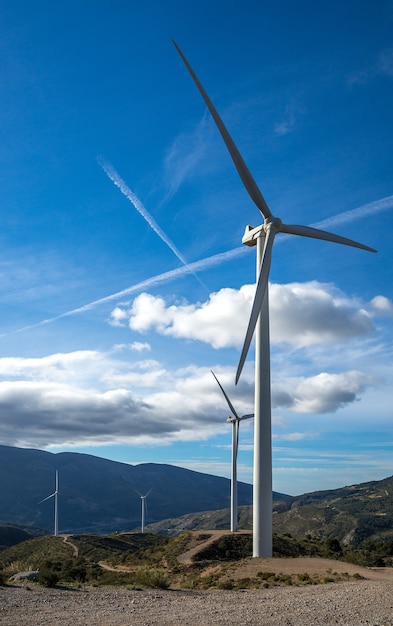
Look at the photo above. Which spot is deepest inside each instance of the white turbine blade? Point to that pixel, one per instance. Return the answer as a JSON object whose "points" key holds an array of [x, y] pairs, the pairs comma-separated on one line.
{"points": [[232, 408], [48, 498], [315, 233], [259, 295], [246, 417], [242, 169]]}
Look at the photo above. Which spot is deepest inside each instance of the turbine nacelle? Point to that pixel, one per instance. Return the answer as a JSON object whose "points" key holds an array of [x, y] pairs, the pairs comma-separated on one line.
{"points": [[239, 419], [252, 233]]}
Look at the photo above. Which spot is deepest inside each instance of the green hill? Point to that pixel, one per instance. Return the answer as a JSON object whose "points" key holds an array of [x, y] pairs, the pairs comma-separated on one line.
{"points": [[350, 514]]}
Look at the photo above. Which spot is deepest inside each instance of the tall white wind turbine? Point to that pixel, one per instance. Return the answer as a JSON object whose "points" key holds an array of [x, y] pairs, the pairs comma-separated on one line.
{"points": [[55, 495], [235, 421], [263, 237], [143, 508]]}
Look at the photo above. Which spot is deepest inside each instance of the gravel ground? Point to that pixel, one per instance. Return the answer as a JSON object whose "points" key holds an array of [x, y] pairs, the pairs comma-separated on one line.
{"points": [[363, 602]]}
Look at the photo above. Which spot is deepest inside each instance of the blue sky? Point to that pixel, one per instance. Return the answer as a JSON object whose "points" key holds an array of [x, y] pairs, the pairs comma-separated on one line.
{"points": [[123, 277]]}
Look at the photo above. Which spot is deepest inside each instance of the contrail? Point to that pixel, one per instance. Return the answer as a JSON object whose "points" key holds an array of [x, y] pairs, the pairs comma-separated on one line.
{"points": [[362, 211], [129, 194], [201, 265]]}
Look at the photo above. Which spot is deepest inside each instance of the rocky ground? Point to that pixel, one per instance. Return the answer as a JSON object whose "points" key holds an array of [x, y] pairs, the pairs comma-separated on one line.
{"points": [[367, 601]]}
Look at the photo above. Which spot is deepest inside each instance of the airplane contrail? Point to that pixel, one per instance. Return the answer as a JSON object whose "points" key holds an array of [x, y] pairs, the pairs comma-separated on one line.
{"points": [[115, 177], [363, 211], [201, 265]]}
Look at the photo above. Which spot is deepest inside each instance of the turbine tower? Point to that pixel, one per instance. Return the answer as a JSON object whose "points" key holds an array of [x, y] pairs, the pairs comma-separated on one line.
{"points": [[235, 421], [262, 236], [55, 495], [143, 508]]}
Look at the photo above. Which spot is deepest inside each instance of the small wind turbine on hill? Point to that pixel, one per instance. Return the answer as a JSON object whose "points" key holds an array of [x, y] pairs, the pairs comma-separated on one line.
{"points": [[143, 508], [55, 495], [262, 236], [235, 421]]}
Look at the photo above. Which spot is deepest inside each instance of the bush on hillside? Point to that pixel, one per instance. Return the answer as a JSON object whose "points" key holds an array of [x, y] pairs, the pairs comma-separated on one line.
{"points": [[48, 577]]}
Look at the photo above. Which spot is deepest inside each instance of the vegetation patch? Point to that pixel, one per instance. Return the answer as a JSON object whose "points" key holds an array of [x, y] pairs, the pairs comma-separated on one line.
{"points": [[151, 561], [231, 547]]}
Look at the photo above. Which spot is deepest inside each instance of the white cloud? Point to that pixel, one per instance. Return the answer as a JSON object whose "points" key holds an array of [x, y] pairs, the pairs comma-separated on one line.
{"points": [[61, 367], [326, 393], [301, 315], [382, 306], [304, 314], [138, 346], [90, 398], [67, 400], [135, 346], [118, 317], [215, 321], [143, 375]]}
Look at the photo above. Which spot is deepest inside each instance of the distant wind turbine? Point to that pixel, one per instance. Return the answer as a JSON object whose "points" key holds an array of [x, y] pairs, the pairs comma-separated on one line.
{"points": [[143, 508], [235, 421], [55, 495], [263, 237]]}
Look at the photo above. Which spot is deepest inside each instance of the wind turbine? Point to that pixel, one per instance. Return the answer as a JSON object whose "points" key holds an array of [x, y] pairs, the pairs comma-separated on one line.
{"points": [[143, 508], [262, 236], [55, 495], [235, 421]]}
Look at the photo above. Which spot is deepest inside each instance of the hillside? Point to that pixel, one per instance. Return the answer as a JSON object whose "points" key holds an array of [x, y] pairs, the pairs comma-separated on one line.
{"points": [[12, 535], [350, 514], [192, 560], [101, 495]]}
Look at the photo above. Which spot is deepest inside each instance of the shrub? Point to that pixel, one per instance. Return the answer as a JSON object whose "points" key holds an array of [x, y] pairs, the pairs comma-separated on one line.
{"points": [[304, 578], [48, 577], [74, 571], [333, 547], [265, 575], [327, 579], [156, 579], [285, 579], [225, 584]]}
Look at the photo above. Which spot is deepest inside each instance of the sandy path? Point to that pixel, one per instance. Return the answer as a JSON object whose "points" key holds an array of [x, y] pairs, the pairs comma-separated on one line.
{"points": [[66, 540]]}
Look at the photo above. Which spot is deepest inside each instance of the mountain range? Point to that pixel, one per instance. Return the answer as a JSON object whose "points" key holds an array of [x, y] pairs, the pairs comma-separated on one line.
{"points": [[100, 495]]}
